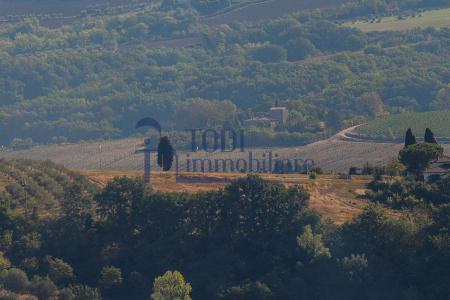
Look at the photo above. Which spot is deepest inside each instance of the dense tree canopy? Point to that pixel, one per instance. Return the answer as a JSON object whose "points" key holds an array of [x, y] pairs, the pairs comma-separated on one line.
{"points": [[252, 239]]}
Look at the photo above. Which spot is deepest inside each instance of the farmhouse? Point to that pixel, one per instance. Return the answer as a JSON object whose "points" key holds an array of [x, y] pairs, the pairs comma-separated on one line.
{"points": [[438, 169], [271, 119]]}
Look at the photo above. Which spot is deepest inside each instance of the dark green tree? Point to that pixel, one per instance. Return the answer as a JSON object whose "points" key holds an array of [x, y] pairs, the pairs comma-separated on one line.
{"points": [[15, 280], [417, 157], [110, 277], [429, 136], [117, 202], [165, 154], [59, 271], [42, 287], [269, 53], [410, 138]]}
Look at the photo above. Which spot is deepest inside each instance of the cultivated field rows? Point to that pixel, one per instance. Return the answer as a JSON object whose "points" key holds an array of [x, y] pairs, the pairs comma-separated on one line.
{"points": [[332, 154]]}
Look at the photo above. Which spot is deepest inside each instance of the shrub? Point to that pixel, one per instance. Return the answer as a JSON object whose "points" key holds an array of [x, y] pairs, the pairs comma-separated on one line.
{"points": [[59, 271], [269, 53], [252, 290], [29, 264], [15, 280], [4, 262], [43, 288], [110, 276], [66, 294]]}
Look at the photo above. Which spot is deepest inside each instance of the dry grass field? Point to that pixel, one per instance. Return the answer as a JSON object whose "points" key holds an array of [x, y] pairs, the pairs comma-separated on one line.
{"points": [[338, 200]]}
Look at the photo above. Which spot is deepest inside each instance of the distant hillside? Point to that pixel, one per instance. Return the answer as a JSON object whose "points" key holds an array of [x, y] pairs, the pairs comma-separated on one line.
{"points": [[393, 127], [37, 187], [94, 79]]}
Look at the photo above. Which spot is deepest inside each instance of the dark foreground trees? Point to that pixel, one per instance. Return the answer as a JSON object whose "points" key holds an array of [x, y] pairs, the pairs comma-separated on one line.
{"points": [[252, 240]]}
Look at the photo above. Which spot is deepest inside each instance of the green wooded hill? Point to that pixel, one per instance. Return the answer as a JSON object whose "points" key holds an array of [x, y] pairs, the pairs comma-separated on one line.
{"points": [[94, 78]]}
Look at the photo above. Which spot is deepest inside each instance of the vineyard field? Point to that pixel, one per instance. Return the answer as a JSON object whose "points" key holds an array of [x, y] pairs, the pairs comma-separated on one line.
{"points": [[433, 18], [37, 187], [393, 127], [333, 155]]}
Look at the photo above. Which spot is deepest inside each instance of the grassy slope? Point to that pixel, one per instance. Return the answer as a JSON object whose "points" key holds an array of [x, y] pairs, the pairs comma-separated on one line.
{"points": [[394, 126], [435, 18]]}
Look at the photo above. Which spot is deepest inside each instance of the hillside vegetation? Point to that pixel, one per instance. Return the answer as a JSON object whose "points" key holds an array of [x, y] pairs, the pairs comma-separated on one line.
{"points": [[95, 78]]}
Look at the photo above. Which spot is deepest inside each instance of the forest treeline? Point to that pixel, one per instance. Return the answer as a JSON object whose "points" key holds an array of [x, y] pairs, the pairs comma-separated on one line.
{"points": [[253, 240]]}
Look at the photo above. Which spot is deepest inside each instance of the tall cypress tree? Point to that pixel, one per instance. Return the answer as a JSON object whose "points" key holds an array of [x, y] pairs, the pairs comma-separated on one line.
{"points": [[165, 154], [429, 136], [410, 138]]}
